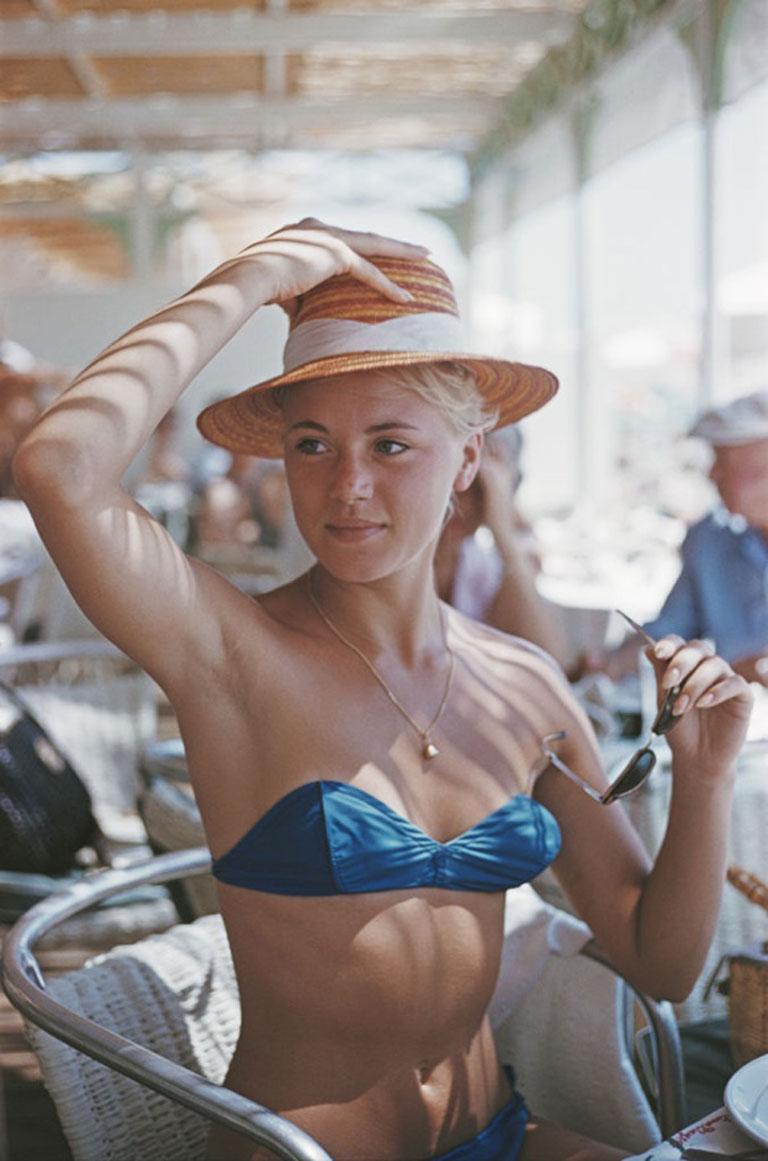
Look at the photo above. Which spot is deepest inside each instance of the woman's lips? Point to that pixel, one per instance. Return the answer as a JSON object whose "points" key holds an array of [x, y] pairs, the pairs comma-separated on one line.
{"points": [[351, 533]]}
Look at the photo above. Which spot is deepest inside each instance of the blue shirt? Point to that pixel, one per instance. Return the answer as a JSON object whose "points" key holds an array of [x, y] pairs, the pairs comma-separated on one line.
{"points": [[722, 590]]}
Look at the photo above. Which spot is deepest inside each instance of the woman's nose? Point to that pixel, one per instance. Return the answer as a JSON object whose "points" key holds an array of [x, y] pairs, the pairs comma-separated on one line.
{"points": [[352, 480]]}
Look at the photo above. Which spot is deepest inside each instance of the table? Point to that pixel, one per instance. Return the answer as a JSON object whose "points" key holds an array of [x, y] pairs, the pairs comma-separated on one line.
{"points": [[713, 1136]]}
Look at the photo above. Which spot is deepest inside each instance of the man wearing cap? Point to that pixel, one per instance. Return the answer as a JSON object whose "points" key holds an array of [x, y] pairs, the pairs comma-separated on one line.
{"points": [[722, 590]]}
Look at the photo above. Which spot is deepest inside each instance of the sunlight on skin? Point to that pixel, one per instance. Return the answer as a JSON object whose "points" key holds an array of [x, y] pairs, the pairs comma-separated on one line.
{"points": [[475, 693], [485, 698], [371, 936], [146, 547], [506, 743]]}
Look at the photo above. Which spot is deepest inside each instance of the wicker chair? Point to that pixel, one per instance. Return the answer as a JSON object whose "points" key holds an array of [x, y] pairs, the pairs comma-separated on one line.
{"points": [[164, 1011], [166, 1014], [100, 708]]}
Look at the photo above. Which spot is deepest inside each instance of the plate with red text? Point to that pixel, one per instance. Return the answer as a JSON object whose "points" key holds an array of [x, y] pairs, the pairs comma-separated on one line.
{"points": [[746, 1098]]}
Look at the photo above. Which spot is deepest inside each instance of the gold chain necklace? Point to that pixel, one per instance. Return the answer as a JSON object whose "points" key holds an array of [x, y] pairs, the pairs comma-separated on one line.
{"points": [[428, 749]]}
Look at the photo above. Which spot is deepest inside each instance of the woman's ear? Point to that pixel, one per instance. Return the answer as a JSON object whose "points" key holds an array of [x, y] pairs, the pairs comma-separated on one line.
{"points": [[470, 463]]}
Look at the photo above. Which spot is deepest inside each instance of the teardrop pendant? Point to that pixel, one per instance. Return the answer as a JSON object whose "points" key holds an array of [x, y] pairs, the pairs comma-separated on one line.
{"points": [[428, 750]]}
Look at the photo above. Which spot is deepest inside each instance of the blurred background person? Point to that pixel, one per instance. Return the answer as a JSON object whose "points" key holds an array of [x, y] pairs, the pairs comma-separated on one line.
{"points": [[245, 506], [165, 462], [721, 593], [20, 406], [163, 486], [486, 561]]}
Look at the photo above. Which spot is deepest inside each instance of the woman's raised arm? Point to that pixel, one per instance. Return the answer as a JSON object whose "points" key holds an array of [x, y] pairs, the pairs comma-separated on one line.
{"points": [[126, 573]]}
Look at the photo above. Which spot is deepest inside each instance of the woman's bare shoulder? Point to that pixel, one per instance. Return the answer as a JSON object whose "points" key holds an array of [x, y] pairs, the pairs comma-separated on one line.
{"points": [[500, 646], [268, 611], [516, 669], [284, 609]]}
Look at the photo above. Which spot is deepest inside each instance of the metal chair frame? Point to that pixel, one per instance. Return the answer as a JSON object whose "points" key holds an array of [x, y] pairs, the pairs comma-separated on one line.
{"points": [[661, 1044], [26, 989]]}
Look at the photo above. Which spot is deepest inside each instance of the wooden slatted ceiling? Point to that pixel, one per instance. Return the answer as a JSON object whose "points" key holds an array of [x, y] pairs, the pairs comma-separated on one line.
{"points": [[88, 246], [127, 76], [53, 77], [10, 8], [409, 70], [432, 5], [399, 133], [481, 68], [37, 76], [324, 73], [477, 69], [14, 9], [109, 7]]}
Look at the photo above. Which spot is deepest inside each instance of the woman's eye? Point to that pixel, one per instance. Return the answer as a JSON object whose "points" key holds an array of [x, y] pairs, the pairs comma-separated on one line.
{"points": [[391, 447], [310, 447]]}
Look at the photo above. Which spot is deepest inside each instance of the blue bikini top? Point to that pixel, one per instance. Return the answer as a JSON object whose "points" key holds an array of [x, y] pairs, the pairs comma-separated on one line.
{"points": [[331, 838]]}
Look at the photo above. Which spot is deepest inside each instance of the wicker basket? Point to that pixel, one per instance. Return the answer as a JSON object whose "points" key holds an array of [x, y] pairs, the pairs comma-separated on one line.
{"points": [[747, 983]]}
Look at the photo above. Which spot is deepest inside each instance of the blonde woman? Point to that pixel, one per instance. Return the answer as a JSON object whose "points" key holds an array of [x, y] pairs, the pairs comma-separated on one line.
{"points": [[361, 753]]}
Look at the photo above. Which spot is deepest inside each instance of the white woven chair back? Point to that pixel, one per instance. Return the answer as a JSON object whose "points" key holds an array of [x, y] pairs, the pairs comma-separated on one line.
{"points": [[174, 993]]}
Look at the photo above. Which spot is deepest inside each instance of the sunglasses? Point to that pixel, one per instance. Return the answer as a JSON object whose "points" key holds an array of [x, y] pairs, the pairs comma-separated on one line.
{"points": [[637, 770]]}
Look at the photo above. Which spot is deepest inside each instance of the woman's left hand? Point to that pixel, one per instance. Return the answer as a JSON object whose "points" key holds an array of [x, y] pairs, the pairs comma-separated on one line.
{"points": [[712, 708]]}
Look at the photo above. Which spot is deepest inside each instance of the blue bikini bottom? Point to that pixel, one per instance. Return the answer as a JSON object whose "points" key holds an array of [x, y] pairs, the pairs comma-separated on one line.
{"points": [[502, 1139]]}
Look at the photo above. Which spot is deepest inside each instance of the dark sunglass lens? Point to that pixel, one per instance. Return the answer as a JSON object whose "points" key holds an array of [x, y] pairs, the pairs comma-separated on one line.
{"points": [[665, 719], [634, 775]]}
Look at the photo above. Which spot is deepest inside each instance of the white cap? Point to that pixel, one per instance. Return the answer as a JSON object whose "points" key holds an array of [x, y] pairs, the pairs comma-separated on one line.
{"points": [[743, 420]]}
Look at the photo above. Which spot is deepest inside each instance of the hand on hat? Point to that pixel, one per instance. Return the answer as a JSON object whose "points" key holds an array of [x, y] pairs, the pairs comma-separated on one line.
{"points": [[302, 255]]}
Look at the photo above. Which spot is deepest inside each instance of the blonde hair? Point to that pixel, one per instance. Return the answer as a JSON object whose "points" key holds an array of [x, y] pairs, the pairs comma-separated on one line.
{"points": [[448, 386]]}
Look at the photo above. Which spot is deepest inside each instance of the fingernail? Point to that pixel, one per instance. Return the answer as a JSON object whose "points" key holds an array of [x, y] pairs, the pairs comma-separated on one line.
{"points": [[664, 649], [407, 296], [681, 705], [671, 677], [706, 699]]}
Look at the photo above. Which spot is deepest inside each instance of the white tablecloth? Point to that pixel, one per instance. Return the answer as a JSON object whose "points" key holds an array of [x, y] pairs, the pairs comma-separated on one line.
{"points": [[714, 1136]]}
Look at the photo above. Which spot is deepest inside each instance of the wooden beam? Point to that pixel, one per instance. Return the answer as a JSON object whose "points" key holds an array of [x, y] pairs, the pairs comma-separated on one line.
{"points": [[244, 120], [245, 31]]}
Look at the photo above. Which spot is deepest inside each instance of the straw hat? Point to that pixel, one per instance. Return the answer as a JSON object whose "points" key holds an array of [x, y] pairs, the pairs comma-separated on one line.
{"points": [[344, 325]]}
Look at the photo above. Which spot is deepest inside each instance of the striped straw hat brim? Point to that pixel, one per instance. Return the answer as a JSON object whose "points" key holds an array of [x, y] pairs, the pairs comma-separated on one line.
{"points": [[344, 326]]}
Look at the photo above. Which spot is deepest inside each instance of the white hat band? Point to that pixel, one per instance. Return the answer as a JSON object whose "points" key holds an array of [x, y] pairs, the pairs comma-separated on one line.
{"points": [[320, 338]]}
